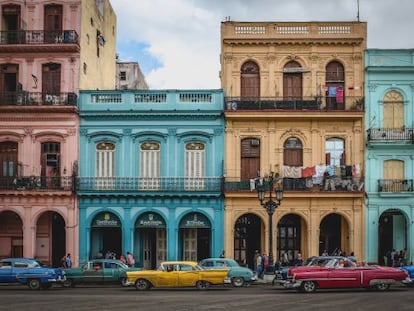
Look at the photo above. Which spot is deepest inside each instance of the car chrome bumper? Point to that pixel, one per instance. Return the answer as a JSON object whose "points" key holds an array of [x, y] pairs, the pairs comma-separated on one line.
{"points": [[408, 281], [227, 280], [60, 279], [291, 283]]}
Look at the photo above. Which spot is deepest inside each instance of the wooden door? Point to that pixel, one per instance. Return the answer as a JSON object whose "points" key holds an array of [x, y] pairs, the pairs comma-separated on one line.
{"points": [[292, 86], [250, 158], [393, 111], [53, 24], [250, 81]]}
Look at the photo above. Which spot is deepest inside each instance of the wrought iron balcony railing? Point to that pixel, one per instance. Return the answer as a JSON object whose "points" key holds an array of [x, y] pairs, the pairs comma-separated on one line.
{"points": [[133, 184], [390, 134], [24, 98], [38, 37], [36, 183], [395, 185], [294, 103], [302, 184]]}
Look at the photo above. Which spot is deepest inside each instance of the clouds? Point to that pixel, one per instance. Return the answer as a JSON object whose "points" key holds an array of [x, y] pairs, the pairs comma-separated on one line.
{"points": [[177, 42]]}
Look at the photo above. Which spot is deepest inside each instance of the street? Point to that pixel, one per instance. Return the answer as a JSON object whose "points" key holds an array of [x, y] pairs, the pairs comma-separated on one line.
{"points": [[255, 297]]}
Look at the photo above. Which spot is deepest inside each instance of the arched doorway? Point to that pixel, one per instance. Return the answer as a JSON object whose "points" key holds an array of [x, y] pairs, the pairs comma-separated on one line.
{"points": [[50, 238], [290, 232], [151, 235], [106, 235], [335, 86], [392, 235], [11, 235], [334, 235], [195, 237], [247, 239]]}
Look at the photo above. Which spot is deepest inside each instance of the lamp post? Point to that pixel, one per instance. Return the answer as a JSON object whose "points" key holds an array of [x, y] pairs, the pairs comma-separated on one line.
{"points": [[263, 185]]}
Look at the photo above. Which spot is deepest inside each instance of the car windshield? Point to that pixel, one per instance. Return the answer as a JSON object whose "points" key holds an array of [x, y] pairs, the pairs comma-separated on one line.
{"points": [[332, 263]]}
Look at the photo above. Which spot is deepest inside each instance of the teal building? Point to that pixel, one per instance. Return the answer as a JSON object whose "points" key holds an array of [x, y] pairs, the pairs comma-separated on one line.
{"points": [[150, 174], [389, 89]]}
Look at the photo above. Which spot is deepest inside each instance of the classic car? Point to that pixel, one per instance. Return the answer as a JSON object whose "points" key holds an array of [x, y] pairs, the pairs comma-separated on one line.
{"points": [[332, 275], [410, 271], [282, 273], [98, 271], [237, 275], [30, 272], [177, 274]]}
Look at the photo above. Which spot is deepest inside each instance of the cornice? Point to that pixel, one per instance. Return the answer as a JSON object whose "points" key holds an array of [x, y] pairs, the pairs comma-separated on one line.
{"points": [[152, 116], [296, 41]]}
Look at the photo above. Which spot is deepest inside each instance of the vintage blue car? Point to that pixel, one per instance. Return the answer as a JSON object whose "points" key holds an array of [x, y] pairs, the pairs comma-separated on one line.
{"points": [[237, 275], [30, 272], [410, 270]]}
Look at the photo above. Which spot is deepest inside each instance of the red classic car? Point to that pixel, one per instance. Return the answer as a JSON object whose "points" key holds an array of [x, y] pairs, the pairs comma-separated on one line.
{"points": [[333, 275]]}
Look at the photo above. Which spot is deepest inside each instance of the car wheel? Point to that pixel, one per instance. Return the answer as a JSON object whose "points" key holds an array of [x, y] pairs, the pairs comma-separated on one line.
{"points": [[237, 282], [202, 285], [382, 287], [142, 284], [68, 283], [308, 286], [124, 282], [33, 284]]}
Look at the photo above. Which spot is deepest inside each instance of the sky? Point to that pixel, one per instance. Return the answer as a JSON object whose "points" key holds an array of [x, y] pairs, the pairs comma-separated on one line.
{"points": [[177, 42]]}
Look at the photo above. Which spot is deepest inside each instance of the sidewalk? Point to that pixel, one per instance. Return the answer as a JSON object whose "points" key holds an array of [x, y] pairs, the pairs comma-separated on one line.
{"points": [[267, 279]]}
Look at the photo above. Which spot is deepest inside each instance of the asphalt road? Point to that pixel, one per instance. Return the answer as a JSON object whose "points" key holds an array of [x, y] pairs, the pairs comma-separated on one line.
{"points": [[255, 297]]}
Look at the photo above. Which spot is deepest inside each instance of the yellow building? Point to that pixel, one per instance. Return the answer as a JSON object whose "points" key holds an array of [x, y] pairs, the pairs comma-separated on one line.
{"points": [[97, 46], [294, 107]]}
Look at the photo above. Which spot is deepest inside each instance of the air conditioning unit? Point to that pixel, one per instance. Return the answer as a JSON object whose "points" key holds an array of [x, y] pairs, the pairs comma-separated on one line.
{"points": [[254, 142]]}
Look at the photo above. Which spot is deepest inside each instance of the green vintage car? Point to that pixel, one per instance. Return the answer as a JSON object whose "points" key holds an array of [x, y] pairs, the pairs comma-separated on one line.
{"points": [[237, 275], [98, 271]]}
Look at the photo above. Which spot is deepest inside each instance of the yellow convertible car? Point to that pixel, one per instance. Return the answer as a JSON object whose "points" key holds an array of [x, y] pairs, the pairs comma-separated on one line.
{"points": [[176, 274]]}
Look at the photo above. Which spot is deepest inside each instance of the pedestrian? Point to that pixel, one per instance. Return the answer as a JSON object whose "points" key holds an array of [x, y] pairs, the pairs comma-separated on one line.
{"points": [[122, 258], [258, 264], [63, 262], [130, 259], [68, 261], [222, 255], [298, 260]]}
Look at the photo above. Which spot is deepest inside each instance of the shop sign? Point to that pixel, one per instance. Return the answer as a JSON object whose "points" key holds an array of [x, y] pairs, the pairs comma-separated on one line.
{"points": [[106, 220], [150, 220], [195, 220]]}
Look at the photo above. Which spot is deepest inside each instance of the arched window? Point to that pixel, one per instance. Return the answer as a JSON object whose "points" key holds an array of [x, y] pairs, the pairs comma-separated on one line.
{"points": [[250, 80], [335, 151], [292, 81], [335, 86], [150, 165], [105, 165], [293, 152], [195, 165], [393, 113]]}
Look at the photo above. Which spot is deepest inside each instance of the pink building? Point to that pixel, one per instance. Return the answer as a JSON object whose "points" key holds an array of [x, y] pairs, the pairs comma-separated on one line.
{"points": [[48, 51]]}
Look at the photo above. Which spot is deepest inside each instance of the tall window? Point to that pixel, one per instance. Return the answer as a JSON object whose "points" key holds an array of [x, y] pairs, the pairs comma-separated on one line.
{"points": [[393, 110], [150, 165], [53, 23], [51, 83], [335, 151], [105, 165], [393, 176], [50, 164], [194, 165], [335, 86], [292, 81], [8, 162], [250, 158], [250, 80], [292, 152]]}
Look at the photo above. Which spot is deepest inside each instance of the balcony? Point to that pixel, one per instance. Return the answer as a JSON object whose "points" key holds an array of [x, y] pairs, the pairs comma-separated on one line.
{"points": [[315, 103], [386, 134], [303, 184], [395, 185], [39, 41], [142, 184], [24, 98], [36, 183]]}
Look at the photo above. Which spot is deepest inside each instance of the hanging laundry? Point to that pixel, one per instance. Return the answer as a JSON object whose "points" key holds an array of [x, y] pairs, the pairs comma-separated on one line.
{"points": [[340, 95], [332, 91]]}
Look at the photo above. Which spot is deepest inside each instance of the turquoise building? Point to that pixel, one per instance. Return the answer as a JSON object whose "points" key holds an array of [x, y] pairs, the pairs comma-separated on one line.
{"points": [[150, 174], [389, 89]]}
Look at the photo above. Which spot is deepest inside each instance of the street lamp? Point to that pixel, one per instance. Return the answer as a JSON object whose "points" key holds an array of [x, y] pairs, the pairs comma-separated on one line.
{"points": [[263, 185]]}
